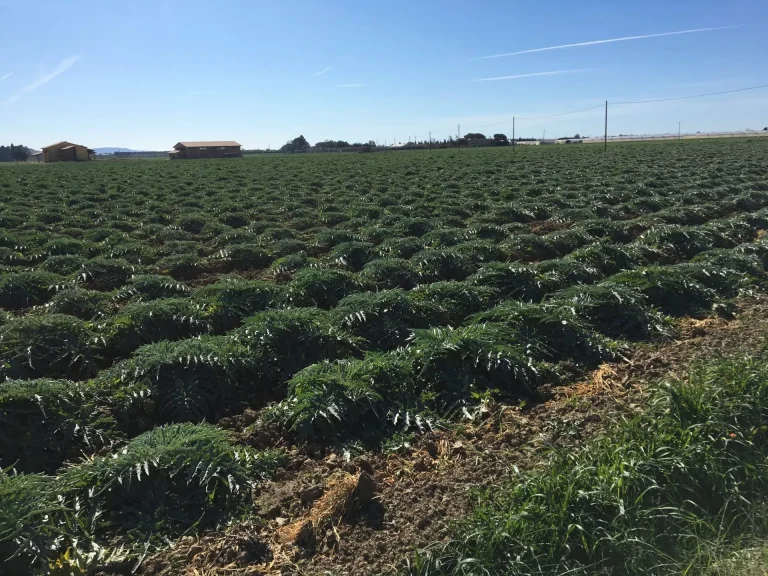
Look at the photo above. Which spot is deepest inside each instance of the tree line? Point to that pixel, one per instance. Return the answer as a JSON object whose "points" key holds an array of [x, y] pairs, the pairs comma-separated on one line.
{"points": [[301, 144], [14, 153]]}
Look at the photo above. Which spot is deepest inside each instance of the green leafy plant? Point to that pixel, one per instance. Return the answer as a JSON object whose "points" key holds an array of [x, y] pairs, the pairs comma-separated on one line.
{"points": [[477, 357], [286, 247], [387, 273], [227, 302], [566, 241], [26, 289], [355, 398], [65, 264], [615, 310], [285, 341], [321, 287], [608, 258], [181, 266], [744, 261], [44, 423], [283, 268], [246, 256], [457, 300], [400, 247], [550, 331], [192, 222], [83, 304], [480, 251], [515, 281], [104, 274], [147, 322], [528, 248], [164, 483], [352, 255], [146, 287], [29, 520], [683, 242], [184, 381], [385, 319], [567, 272], [443, 237], [50, 345], [434, 265], [669, 289]]}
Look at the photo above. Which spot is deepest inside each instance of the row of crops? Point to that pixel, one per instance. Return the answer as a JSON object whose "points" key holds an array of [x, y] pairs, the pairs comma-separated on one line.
{"points": [[345, 298]]}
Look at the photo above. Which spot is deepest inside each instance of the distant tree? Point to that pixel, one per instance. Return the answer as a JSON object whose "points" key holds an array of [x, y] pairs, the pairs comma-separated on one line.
{"points": [[766, 128], [500, 139], [462, 142], [474, 136], [299, 144], [576, 136], [332, 144], [14, 153]]}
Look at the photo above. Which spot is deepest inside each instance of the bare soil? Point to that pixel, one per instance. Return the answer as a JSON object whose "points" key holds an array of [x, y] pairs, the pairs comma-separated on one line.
{"points": [[323, 514]]}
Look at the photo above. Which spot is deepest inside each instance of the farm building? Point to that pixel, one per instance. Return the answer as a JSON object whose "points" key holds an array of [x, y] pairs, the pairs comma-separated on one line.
{"points": [[66, 152], [194, 150]]}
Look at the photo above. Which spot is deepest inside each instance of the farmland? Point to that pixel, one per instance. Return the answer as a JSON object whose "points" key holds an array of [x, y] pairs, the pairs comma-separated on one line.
{"points": [[171, 334]]}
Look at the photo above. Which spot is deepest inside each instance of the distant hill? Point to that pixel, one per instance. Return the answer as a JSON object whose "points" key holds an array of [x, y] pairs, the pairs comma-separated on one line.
{"points": [[111, 150]]}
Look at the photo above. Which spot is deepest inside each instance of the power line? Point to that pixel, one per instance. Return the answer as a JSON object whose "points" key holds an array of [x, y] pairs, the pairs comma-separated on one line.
{"points": [[561, 114], [512, 119], [626, 103], [687, 97], [539, 117]]}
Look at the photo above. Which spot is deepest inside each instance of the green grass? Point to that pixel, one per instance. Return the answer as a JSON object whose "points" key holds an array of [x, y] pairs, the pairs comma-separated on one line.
{"points": [[670, 491]]}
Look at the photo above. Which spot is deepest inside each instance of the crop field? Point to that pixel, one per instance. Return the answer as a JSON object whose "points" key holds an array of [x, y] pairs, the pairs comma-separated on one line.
{"points": [[335, 300]]}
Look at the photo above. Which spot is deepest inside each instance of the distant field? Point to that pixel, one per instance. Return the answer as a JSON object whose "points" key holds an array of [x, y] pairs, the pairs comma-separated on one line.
{"points": [[697, 136], [344, 298]]}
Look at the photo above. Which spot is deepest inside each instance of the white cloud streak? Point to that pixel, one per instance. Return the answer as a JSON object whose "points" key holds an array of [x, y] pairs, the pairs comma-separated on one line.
{"points": [[323, 71], [63, 66], [351, 85], [6, 76], [594, 42], [516, 76]]}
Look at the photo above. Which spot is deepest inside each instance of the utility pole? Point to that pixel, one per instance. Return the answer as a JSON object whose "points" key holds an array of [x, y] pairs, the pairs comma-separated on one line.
{"points": [[545, 134], [458, 137], [430, 141], [514, 144], [679, 124], [605, 148]]}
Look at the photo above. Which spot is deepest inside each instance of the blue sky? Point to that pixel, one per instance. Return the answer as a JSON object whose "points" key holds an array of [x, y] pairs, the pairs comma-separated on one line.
{"points": [[146, 74]]}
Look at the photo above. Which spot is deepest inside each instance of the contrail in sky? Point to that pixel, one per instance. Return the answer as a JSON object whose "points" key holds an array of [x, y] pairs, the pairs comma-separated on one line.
{"points": [[323, 71], [6, 76], [593, 42], [553, 73], [63, 66]]}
